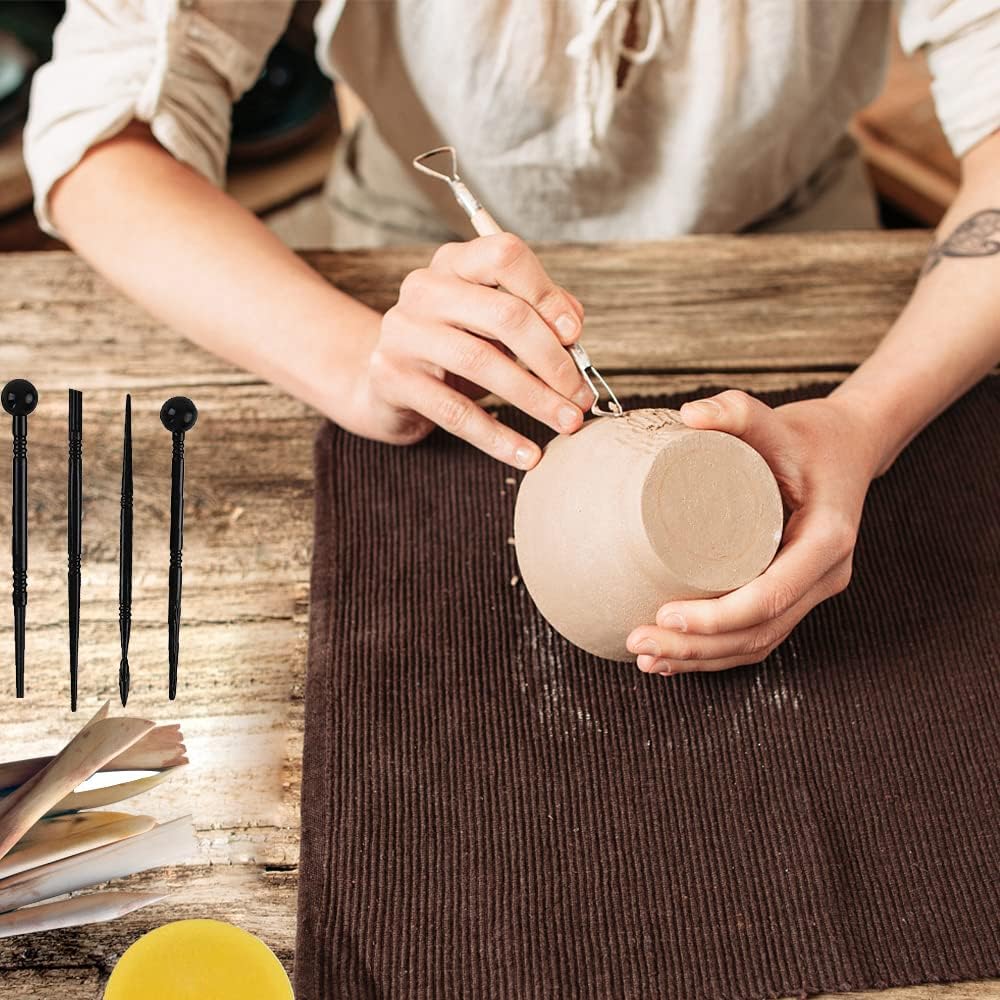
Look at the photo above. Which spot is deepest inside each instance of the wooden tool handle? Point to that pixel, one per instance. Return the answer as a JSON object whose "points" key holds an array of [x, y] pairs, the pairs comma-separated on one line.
{"points": [[484, 223]]}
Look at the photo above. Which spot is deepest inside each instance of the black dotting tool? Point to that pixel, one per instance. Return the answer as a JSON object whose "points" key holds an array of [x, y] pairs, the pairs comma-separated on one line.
{"points": [[19, 399], [125, 556], [74, 535], [178, 414]]}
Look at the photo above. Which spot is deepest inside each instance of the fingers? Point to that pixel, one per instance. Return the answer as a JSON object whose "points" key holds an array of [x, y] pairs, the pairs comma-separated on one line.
{"points": [[438, 402], [482, 313], [667, 650], [816, 541], [480, 362], [746, 625], [807, 452], [433, 297], [506, 261], [744, 417], [670, 668]]}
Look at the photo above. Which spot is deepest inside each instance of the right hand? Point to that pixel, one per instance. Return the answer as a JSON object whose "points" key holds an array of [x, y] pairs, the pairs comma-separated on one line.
{"points": [[453, 337]]}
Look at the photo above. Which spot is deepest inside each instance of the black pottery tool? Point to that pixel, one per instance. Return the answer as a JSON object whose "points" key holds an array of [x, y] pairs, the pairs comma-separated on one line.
{"points": [[19, 399], [125, 556], [74, 535], [178, 414]]}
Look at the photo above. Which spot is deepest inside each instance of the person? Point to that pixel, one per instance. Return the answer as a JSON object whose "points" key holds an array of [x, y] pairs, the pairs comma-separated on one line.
{"points": [[577, 119]]}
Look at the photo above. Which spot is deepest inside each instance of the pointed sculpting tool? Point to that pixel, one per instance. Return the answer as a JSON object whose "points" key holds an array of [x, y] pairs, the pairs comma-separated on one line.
{"points": [[74, 535], [125, 556], [19, 399], [178, 414]]}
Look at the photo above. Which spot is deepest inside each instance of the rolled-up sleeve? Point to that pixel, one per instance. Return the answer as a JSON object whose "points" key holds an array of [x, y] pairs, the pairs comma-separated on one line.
{"points": [[962, 41], [178, 65]]}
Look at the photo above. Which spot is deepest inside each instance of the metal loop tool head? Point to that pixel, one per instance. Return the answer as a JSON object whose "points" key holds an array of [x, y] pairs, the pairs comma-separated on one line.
{"points": [[595, 383], [446, 169], [422, 163], [447, 156]]}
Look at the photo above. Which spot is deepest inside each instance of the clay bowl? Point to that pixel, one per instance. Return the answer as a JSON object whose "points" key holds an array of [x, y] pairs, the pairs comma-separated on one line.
{"points": [[634, 511]]}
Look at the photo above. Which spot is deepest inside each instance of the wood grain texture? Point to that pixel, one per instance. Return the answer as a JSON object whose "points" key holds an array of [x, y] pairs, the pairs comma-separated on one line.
{"points": [[732, 303], [760, 313]]}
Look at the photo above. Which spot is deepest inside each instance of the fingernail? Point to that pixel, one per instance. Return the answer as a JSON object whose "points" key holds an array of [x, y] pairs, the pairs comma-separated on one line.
{"points": [[674, 621], [525, 457], [568, 417], [706, 407], [661, 666], [568, 326], [647, 648], [583, 398]]}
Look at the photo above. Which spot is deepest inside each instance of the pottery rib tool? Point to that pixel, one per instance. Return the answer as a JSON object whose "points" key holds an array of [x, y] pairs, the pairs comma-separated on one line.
{"points": [[53, 839], [57, 828], [19, 399], [25, 857], [91, 908], [125, 556], [485, 225], [96, 744], [179, 415], [164, 844], [162, 747], [96, 796], [74, 535]]}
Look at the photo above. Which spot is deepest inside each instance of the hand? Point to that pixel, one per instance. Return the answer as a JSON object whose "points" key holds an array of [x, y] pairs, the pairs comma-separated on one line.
{"points": [[454, 335], [824, 457]]}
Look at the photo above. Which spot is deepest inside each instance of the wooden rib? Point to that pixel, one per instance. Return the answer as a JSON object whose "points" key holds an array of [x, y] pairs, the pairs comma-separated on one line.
{"points": [[95, 798], [166, 844], [9, 800], [67, 824], [86, 839], [91, 908], [161, 747], [97, 743]]}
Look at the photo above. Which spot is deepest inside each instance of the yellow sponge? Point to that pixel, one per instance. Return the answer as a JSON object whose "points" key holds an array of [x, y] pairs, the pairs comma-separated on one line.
{"points": [[198, 960]]}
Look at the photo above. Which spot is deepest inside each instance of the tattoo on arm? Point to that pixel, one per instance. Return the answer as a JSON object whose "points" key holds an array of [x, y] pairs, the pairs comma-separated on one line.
{"points": [[978, 236]]}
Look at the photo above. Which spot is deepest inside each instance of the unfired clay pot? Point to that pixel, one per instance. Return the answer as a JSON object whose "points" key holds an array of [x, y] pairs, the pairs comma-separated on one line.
{"points": [[634, 511]]}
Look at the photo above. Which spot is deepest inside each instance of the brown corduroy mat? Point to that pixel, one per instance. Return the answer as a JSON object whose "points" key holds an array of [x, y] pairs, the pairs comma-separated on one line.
{"points": [[489, 812]]}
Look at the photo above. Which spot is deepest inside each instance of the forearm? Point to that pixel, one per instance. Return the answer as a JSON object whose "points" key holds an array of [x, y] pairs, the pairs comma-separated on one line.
{"points": [[948, 336], [205, 266]]}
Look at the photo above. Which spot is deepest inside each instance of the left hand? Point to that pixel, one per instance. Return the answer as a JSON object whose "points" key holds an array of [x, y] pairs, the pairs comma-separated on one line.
{"points": [[824, 456]]}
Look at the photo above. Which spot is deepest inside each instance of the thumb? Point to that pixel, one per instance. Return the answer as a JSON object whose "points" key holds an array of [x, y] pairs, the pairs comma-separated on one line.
{"points": [[742, 416]]}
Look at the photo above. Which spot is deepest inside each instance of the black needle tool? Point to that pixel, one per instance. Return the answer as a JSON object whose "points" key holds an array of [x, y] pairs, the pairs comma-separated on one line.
{"points": [[19, 399], [178, 414], [125, 563], [74, 535]]}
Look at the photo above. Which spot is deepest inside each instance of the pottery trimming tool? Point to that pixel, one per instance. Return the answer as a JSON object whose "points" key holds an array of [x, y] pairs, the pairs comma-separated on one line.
{"points": [[485, 225], [178, 414], [125, 556], [74, 534], [19, 399]]}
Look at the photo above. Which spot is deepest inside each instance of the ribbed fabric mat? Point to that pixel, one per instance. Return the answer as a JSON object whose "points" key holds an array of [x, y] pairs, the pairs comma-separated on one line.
{"points": [[489, 812]]}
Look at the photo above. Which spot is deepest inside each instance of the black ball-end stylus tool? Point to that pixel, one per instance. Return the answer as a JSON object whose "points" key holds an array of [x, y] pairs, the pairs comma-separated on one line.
{"points": [[19, 399], [178, 414], [74, 534]]}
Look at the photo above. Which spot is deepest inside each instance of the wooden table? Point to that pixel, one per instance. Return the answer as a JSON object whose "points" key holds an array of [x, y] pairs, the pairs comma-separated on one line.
{"points": [[759, 313]]}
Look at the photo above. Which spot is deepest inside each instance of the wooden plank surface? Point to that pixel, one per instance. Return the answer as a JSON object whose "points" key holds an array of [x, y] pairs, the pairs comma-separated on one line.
{"points": [[760, 313], [731, 303]]}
